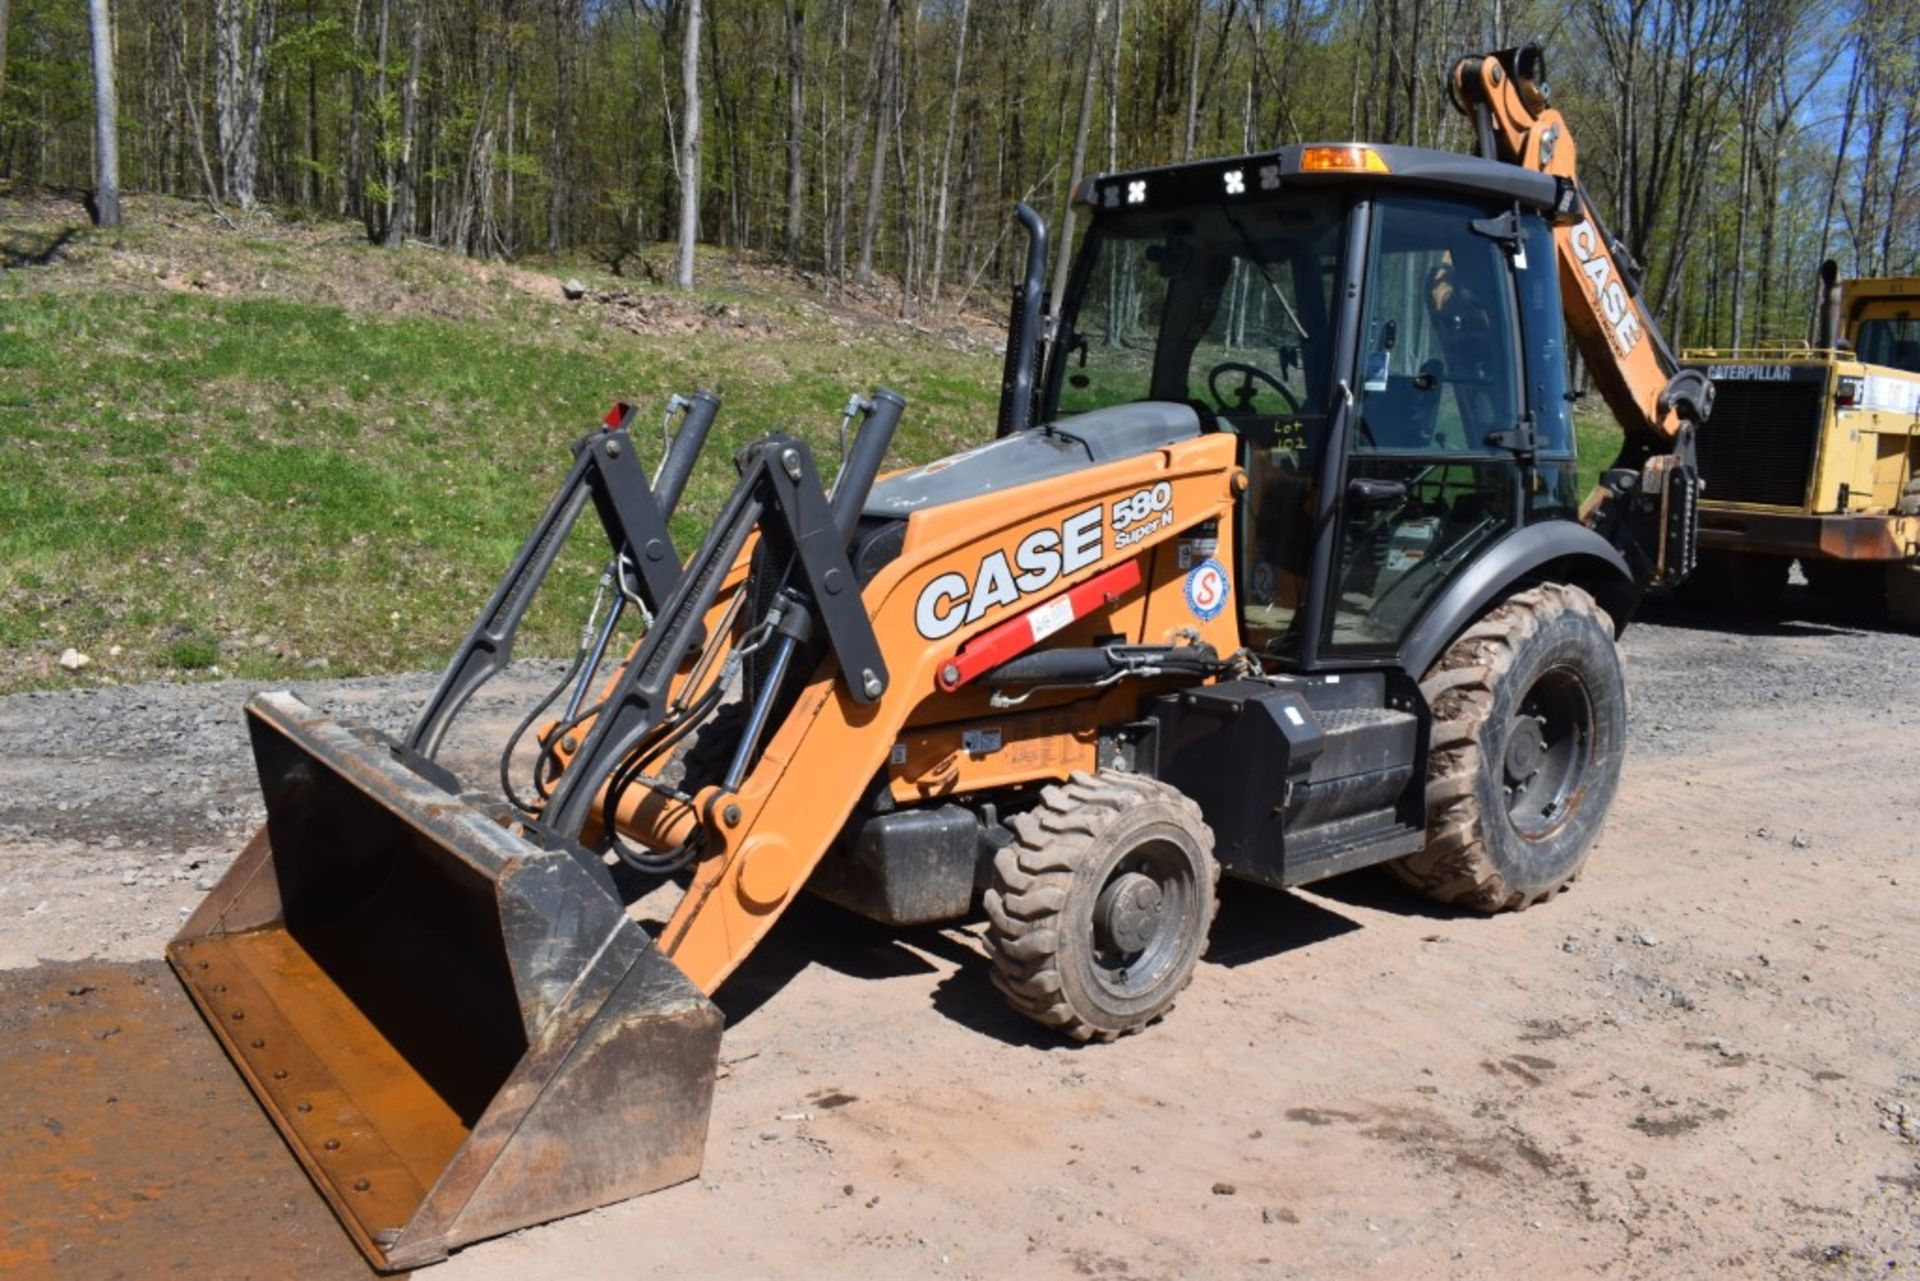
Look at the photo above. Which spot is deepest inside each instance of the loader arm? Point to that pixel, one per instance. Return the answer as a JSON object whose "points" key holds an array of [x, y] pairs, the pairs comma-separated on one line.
{"points": [[1505, 93], [765, 839], [1648, 503]]}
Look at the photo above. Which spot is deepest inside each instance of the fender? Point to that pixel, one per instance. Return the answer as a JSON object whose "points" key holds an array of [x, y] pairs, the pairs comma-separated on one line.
{"points": [[1497, 570]]}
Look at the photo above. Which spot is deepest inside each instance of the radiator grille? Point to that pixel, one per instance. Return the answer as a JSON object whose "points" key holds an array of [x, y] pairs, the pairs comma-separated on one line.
{"points": [[1758, 446]]}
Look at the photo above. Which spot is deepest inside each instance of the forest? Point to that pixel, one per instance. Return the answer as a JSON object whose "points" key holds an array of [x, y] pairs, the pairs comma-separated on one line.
{"points": [[1732, 144]]}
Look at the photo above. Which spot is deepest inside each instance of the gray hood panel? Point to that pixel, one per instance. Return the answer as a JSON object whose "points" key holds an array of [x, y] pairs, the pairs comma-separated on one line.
{"points": [[1085, 440]]}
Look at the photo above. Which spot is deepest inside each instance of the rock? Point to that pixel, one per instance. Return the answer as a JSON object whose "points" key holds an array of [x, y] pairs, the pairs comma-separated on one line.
{"points": [[1224, 1189], [1647, 940], [1800, 842], [73, 660], [573, 289], [114, 651]]}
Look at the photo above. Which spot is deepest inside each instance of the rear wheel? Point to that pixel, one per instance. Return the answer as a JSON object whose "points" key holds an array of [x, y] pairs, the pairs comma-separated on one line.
{"points": [[1099, 910], [1529, 726]]}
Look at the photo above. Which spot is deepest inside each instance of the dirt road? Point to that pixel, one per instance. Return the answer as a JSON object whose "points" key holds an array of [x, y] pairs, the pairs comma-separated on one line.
{"points": [[1698, 1061]]}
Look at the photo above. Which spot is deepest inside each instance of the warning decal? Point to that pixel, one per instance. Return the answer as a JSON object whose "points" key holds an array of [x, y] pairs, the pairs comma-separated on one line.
{"points": [[1207, 589]]}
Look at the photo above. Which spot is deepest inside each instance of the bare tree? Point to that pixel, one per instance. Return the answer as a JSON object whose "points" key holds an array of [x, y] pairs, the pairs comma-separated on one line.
{"points": [[797, 125], [689, 145], [1096, 15], [876, 176], [404, 176], [243, 32], [942, 202], [4, 4], [106, 120], [852, 143]]}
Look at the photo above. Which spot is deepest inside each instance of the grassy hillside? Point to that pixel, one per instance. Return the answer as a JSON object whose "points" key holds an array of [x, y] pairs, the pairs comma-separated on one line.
{"points": [[256, 449], [266, 449]]}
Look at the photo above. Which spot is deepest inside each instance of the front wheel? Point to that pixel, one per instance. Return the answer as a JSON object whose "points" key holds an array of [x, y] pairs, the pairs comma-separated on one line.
{"points": [[1099, 910], [1529, 728]]}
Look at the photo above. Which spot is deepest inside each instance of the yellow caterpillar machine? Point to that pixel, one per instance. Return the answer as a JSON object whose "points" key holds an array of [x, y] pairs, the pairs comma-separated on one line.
{"points": [[1814, 455], [1275, 568]]}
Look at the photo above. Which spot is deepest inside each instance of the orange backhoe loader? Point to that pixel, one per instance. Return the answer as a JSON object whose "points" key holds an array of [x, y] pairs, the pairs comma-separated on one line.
{"points": [[1274, 567]]}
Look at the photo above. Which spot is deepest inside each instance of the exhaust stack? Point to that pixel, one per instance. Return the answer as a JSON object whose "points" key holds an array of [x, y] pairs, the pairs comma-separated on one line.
{"points": [[1826, 315]]}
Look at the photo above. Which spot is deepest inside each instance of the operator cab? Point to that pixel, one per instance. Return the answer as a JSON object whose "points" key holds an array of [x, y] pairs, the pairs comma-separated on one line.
{"points": [[1379, 324]]}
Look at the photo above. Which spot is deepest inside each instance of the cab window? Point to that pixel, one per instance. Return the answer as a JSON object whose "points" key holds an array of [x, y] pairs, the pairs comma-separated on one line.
{"points": [[1427, 484]]}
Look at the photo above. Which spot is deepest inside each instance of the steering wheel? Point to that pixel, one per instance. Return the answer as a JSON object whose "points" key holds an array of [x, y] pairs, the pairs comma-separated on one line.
{"points": [[1243, 397]]}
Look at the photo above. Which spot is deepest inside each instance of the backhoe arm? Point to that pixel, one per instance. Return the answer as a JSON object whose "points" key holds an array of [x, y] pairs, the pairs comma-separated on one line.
{"points": [[1658, 404]]}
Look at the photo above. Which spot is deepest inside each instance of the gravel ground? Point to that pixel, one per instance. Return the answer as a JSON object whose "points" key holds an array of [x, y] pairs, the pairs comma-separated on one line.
{"points": [[1698, 1060]]}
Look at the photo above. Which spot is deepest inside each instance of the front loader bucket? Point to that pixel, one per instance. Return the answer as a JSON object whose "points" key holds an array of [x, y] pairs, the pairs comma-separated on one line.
{"points": [[457, 1032]]}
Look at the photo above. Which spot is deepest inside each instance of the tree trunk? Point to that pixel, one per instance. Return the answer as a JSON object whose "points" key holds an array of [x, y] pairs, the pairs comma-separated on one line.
{"points": [[796, 127], [851, 144], [1193, 83], [1063, 236], [240, 83], [355, 163], [404, 178], [942, 202], [106, 119], [380, 211], [689, 145], [4, 4], [876, 176], [310, 136]]}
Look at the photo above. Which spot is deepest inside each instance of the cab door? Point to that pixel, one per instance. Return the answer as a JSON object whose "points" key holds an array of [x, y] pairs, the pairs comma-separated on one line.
{"points": [[1431, 477]]}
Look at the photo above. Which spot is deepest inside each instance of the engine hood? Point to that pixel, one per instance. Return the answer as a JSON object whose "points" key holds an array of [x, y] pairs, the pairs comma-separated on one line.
{"points": [[1084, 440]]}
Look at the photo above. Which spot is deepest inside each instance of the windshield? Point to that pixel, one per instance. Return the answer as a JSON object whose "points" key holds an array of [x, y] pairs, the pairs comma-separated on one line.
{"points": [[1230, 308], [1893, 342]]}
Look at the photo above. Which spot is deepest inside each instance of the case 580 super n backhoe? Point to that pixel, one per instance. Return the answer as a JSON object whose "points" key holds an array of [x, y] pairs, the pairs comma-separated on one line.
{"points": [[1275, 568]]}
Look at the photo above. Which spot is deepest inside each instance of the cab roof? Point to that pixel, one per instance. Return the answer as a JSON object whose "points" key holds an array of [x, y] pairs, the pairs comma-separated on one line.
{"points": [[1248, 178]]}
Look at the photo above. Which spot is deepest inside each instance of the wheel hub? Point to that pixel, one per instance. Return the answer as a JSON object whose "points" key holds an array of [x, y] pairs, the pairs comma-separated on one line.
{"points": [[1526, 747], [1128, 912], [1548, 753]]}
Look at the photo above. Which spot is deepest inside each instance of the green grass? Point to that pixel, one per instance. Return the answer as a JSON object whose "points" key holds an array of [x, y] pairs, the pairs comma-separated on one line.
{"points": [[1599, 438], [257, 453], [245, 485]]}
